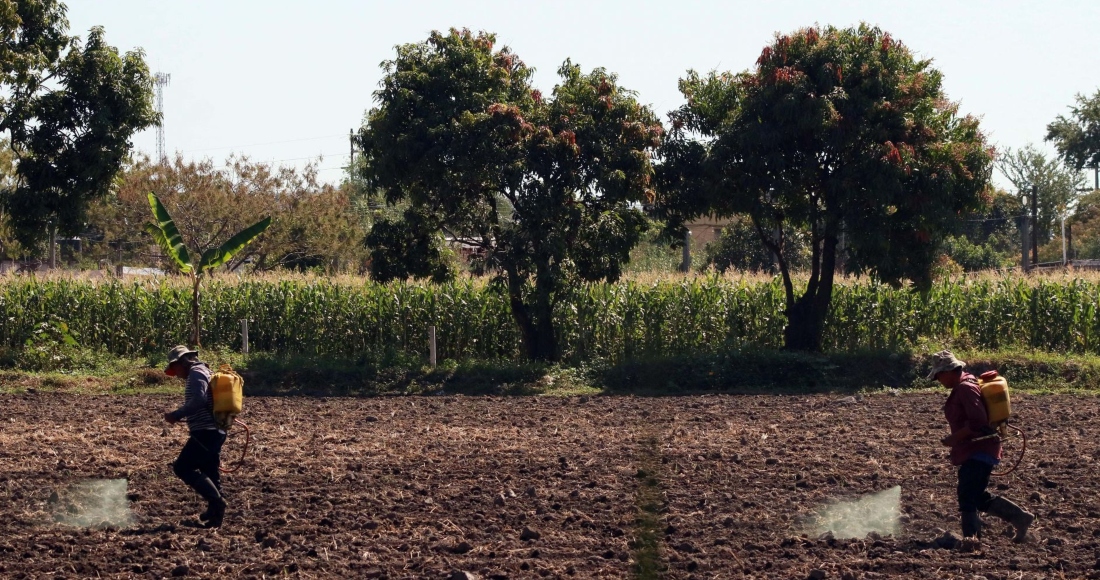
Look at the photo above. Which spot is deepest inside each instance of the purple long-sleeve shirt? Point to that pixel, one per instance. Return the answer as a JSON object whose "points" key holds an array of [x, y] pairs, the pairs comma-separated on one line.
{"points": [[198, 406], [966, 408]]}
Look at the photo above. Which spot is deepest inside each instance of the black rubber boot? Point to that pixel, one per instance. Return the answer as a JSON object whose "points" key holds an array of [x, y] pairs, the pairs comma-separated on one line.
{"points": [[215, 511], [215, 503], [1020, 519], [205, 516], [971, 525]]}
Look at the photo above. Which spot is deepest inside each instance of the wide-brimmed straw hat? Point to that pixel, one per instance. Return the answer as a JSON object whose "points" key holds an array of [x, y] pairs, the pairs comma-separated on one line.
{"points": [[179, 352], [944, 361]]}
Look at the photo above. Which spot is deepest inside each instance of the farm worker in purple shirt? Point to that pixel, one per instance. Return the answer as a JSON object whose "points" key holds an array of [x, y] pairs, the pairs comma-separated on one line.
{"points": [[974, 454], [200, 459]]}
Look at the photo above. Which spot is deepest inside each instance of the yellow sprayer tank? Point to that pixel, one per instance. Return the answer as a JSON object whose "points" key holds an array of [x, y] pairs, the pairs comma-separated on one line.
{"points": [[228, 391], [995, 393]]}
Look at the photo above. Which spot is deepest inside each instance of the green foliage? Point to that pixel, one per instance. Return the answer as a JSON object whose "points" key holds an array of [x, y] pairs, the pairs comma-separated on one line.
{"points": [[612, 323], [215, 257], [406, 248], [70, 110], [751, 371], [739, 248], [1077, 137], [1084, 227], [990, 236], [9, 247], [654, 254], [1056, 185], [51, 347], [548, 190], [313, 224], [973, 257], [167, 236], [836, 132]]}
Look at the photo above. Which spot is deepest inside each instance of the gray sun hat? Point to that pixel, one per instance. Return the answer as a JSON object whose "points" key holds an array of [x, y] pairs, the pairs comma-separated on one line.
{"points": [[179, 352], [944, 361]]}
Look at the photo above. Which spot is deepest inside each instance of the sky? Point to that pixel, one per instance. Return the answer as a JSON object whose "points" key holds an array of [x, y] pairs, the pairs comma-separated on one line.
{"points": [[284, 81]]}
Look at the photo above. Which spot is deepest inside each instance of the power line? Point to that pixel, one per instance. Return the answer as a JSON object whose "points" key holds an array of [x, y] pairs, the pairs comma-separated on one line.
{"points": [[1011, 217], [260, 144], [319, 155]]}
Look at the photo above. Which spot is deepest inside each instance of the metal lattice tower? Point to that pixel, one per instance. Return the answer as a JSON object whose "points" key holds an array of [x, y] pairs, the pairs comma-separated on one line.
{"points": [[161, 80]]}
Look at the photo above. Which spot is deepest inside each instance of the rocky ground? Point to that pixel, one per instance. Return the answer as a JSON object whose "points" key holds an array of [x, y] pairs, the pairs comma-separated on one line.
{"points": [[581, 487]]}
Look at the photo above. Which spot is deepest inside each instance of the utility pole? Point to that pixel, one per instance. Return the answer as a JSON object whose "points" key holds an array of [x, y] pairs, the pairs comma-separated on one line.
{"points": [[161, 81], [1035, 224], [351, 147], [1025, 264], [53, 243], [685, 262]]}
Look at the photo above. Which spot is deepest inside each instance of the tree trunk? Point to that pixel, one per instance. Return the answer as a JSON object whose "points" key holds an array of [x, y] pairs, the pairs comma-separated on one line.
{"points": [[196, 321], [520, 314], [805, 325], [546, 346], [806, 315], [535, 322]]}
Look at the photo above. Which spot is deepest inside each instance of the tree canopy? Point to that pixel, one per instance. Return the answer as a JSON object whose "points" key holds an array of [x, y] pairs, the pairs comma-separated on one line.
{"points": [[314, 226], [70, 108], [1055, 184], [547, 189], [841, 133], [164, 232], [1077, 137]]}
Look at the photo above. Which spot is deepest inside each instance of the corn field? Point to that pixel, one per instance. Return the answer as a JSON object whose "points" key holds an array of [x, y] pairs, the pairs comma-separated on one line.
{"points": [[609, 322]]}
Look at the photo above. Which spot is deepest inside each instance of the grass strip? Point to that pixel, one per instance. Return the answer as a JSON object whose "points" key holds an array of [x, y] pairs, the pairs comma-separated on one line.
{"points": [[646, 545]]}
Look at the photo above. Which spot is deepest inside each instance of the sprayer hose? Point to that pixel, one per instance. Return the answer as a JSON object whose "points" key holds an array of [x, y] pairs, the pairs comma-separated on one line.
{"points": [[244, 451], [1023, 449]]}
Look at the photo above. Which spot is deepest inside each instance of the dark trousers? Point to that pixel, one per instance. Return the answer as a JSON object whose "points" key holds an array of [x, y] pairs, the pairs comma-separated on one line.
{"points": [[973, 479], [199, 461]]}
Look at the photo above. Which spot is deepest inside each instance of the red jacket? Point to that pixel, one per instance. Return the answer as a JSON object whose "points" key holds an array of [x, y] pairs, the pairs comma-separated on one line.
{"points": [[965, 407]]}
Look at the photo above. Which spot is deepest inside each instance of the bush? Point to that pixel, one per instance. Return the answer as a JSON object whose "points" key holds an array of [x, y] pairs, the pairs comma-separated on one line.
{"points": [[739, 248]]}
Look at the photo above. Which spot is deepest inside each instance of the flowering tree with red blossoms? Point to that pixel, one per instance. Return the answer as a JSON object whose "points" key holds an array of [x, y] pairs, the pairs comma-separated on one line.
{"points": [[548, 189], [842, 134]]}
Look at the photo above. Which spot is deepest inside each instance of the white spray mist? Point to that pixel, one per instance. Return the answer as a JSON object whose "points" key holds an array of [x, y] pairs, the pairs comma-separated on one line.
{"points": [[878, 512], [93, 503]]}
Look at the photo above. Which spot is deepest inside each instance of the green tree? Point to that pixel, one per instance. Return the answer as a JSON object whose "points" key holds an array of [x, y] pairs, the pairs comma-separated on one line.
{"points": [[1085, 224], [740, 248], [550, 190], [9, 248], [70, 109], [168, 237], [990, 236], [841, 134], [1055, 183], [1077, 137], [314, 227]]}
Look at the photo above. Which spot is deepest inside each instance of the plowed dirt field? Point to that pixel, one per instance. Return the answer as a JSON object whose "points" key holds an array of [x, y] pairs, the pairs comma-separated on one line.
{"points": [[599, 487]]}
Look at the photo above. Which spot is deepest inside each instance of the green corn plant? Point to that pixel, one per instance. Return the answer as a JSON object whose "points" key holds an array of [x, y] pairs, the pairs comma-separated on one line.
{"points": [[166, 234]]}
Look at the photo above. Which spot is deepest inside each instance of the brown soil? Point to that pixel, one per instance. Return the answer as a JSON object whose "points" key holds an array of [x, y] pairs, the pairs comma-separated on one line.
{"points": [[537, 487]]}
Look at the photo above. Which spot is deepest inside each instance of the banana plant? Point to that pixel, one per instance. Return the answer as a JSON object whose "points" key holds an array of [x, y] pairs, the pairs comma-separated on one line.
{"points": [[168, 237]]}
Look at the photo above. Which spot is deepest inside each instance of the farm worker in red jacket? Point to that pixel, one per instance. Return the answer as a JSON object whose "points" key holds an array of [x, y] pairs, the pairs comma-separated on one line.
{"points": [[975, 454], [200, 458]]}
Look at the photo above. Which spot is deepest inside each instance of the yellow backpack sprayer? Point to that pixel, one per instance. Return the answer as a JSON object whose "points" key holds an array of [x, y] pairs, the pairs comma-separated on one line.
{"points": [[998, 406], [227, 391]]}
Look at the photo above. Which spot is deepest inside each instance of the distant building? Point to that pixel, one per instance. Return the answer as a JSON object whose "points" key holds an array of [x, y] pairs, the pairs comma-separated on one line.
{"points": [[706, 229]]}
